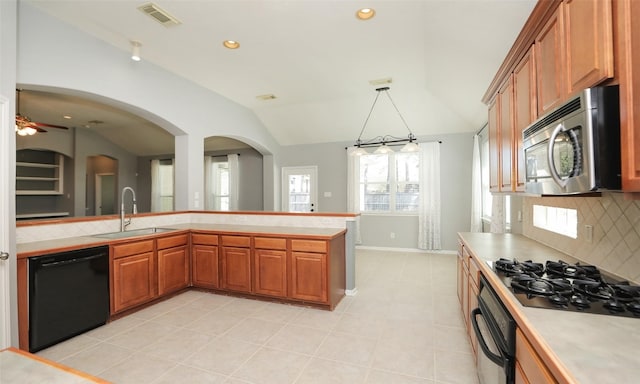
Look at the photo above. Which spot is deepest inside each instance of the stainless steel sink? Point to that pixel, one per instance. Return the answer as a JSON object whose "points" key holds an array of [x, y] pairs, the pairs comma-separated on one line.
{"points": [[134, 233]]}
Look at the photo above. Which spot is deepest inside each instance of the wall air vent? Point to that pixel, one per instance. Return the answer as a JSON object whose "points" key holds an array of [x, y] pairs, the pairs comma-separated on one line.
{"points": [[159, 14]]}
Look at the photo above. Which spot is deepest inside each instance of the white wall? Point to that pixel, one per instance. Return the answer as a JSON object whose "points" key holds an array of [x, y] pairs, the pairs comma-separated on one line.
{"points": [[77, 63]]}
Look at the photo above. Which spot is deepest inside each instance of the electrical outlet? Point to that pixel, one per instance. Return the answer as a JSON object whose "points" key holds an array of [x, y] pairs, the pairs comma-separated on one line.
{"points": [[392, 235], [588, 233]]}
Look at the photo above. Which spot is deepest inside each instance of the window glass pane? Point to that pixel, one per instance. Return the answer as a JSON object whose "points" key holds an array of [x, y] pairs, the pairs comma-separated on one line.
{"points": [[559, 220], [374, 183], [165, 172], [299, 193], [407, 181], [374, 168]]}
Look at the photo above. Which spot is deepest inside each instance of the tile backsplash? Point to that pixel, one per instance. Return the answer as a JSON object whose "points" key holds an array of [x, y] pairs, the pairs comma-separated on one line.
{"points": [[615, 244]]}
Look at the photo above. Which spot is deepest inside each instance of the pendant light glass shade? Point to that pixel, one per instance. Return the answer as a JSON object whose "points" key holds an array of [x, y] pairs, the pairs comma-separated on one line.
{"points": [[410, 147], [383, 150]]}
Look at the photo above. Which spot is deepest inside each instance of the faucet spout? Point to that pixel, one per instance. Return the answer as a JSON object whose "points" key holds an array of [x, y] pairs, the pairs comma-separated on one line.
{"points": [[124, 222]]}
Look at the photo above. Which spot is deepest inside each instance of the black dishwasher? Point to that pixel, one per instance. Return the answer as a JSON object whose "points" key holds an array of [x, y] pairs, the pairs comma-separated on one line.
{"points": [[68, 295]]}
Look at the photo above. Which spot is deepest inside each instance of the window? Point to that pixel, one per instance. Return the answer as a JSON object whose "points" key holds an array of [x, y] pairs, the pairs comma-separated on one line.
{"points": [[559, 220], [389, 183], [162, 185], [487, 199], [220, 186]]}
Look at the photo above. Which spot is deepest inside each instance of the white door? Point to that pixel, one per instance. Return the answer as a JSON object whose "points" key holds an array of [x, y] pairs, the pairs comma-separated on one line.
{"points": [[6, 162], [299, 189]]}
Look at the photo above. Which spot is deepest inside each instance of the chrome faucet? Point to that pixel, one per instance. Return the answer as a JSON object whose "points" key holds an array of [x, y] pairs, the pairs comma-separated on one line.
{"points": [[123, 222]]}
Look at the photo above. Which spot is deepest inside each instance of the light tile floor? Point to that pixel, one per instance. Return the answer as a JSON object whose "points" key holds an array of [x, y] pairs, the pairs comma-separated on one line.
{"points": [[403, 326]]}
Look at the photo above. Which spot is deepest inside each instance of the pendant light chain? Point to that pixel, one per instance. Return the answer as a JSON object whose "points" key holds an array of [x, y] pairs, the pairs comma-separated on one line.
{"points": [[397, 110], [368, 116]]}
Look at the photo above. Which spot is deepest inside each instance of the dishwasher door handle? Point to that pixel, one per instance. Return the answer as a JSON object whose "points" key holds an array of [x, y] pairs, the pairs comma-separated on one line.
{"points": [[500, 360], [70, 261]]}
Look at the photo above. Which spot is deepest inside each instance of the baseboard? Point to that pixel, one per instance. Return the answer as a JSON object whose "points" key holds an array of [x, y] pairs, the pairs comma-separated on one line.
{"points": [[351, 292], [413, 250]]}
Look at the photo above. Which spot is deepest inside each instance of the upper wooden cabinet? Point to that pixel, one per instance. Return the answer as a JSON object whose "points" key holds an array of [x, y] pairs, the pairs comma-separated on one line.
{"points": [[506, 135], [524, 109], [494, 146], [628, 68], [589, 43], [550, 61]]}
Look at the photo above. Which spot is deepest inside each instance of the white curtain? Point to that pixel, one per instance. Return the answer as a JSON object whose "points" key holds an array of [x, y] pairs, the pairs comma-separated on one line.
{"points": [[234, 175], [429, 203], [476, 187], [156, 202], [209, 184], [353, 185]]}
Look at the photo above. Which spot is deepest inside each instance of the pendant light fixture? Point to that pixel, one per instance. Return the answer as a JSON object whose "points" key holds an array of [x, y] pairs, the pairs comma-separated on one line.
{"points": [[384, 143]]}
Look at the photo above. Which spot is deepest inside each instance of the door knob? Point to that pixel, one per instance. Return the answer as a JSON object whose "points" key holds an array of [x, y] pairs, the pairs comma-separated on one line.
{"points": [[4, 256]]}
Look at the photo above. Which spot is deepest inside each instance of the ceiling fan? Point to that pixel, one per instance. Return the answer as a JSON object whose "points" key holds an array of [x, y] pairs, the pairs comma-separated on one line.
{"points": [[26, 127]]}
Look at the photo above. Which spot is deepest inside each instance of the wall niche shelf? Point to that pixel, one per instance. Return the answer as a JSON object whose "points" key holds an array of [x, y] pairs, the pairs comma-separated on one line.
{"points": [[39, 173]]}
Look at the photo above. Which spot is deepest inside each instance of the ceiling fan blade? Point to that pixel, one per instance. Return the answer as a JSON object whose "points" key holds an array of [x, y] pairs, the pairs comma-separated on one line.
{"points": [[37, 125]]}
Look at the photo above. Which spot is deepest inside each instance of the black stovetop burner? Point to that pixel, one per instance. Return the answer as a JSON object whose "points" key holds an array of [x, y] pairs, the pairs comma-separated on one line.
{"points": [[572, 287]]}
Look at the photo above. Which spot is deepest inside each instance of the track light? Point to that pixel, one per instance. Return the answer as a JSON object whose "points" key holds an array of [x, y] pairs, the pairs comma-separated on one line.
{"points": [[135, 51]]}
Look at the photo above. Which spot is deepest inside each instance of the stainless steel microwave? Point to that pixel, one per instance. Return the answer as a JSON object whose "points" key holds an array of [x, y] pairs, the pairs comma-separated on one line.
{"points": [[575, 148]]}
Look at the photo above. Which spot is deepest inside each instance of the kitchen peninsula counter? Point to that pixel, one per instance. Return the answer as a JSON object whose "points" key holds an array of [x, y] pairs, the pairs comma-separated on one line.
{"points": [[37, 248], [577, 347]]}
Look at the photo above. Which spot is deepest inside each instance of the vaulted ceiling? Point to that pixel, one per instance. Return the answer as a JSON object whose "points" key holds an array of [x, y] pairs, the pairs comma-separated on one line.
{"points": [[318, 59]]}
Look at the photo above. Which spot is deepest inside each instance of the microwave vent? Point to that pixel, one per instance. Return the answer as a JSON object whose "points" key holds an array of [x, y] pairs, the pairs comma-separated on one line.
{"points": [[160, 15], [557, 114]]}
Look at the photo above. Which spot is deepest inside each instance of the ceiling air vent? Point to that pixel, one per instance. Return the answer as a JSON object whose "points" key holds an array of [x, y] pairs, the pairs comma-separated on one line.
{"points": [[159, 14], [266, 97]]}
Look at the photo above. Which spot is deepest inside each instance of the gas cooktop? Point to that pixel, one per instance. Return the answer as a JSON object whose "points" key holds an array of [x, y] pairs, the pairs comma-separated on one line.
{"points": [[570, 287]]}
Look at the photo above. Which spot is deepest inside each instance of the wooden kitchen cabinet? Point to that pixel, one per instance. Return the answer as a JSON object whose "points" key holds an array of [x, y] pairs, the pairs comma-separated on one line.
{"points": [[505, 127], [309, 270], [205, 271], [173, 263], [530, 369], [236, 263], [133, 275], [524, 110], [468, 288], [589, 43], [270, 263], [628, 73], [494, 145], [550, 61]]}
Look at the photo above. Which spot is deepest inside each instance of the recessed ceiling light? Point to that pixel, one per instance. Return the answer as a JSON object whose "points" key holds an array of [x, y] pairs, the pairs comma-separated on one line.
{"points": [[67, 117], [231, 44], [386, 80], [365, 13]]}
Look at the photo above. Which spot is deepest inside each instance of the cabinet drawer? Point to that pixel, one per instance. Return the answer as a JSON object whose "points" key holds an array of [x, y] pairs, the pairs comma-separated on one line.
{"points": [[309, 245], [204, 239], [474, 271], [173, 241], [270, 243], [236, 241], [132, 248]]}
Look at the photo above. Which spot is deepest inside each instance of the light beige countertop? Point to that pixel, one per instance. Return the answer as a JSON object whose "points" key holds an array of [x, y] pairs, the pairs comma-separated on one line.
{"points": [[65, 244], [583, 348], [17, 366]]}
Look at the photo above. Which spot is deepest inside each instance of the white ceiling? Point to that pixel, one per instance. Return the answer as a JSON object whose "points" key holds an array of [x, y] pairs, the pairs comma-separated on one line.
{"points": [[317, 58]]}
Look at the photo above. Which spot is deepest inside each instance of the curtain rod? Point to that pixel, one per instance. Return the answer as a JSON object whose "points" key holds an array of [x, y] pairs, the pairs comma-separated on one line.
{"points": [[482, 129]]}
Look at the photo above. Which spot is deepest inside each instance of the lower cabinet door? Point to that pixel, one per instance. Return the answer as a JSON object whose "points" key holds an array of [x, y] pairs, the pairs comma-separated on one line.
{"points": [[309, 276], [236, 269], [270, 277], [205, 266], [173, 269], [133, 281]]}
